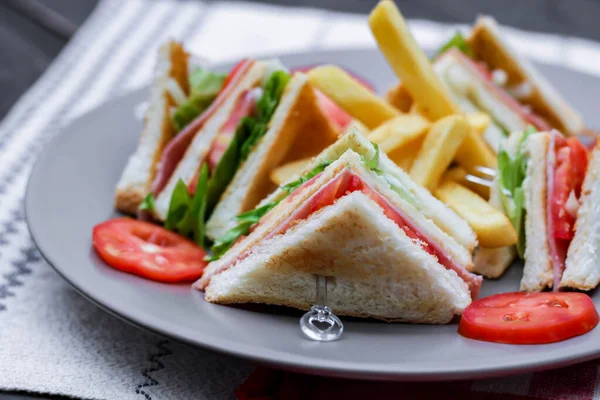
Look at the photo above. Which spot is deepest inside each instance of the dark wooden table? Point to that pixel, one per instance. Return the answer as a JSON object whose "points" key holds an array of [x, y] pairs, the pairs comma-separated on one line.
{"points": [[32, 33]]}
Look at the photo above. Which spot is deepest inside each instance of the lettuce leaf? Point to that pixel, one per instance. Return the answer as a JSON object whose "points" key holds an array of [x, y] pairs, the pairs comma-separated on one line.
{"points": [[148, 203], [186, 214], [178, 205], [249, 131], [512, 172], [249, 218], [458, 41], [192, 222], [205, 86], [373, 164]]}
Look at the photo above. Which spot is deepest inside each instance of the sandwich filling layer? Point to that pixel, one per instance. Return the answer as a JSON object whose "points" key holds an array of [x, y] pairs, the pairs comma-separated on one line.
{"points": [[244, 107], [566, 168], [176, 148], [344, 183], [474, 81], [564, 163]]}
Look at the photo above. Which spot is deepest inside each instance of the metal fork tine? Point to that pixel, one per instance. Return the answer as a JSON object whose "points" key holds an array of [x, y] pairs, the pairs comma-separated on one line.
{"points": [[486, 171], [477, 180]]}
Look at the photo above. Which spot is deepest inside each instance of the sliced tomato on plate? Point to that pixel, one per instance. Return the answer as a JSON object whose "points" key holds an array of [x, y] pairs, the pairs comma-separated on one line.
{"points": [[571, 165], [148, 250], [529, 318]]}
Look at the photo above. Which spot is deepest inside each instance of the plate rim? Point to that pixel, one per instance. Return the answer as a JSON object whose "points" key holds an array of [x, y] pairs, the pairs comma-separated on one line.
{"points": [[277, 358]]}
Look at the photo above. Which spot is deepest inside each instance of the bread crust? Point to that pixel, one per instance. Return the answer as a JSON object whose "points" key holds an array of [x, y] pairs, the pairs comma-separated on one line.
{"points": [[140, 170], [538, 272], [489, 46]]}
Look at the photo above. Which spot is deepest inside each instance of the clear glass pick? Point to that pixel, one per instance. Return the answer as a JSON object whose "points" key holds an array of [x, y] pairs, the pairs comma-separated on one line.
{"points": [[320, 323]]}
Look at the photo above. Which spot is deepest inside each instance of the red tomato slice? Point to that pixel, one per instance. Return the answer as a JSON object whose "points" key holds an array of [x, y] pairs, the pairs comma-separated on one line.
{"points": [[148, 250], [238, 67], [529, 318], [571, 165]]}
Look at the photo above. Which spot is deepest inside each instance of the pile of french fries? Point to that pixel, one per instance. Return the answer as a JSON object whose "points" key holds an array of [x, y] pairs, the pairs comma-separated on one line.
{"points": [[420, 128]]}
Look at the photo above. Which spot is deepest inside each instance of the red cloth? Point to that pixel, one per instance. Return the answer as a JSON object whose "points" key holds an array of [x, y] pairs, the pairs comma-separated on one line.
{"points": [[577, 382]]}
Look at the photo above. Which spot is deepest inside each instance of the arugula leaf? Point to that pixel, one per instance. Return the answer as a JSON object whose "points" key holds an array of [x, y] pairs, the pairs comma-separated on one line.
{"points": [[460, 43], [256, 131], [290, 187], [249, 131], [148, 203], [227, 166], [226, 241], [178, 206], [205, 86], [273, 91], [512, 172], [255, 215], [265, 107], [249, 218]]}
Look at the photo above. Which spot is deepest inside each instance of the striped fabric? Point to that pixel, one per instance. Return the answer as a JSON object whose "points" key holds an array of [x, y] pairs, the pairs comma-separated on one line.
{"points": [[51, 339]]}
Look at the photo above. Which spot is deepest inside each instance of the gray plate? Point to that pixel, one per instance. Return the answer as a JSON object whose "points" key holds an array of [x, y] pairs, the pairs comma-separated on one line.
{"points": [[69, 193]]}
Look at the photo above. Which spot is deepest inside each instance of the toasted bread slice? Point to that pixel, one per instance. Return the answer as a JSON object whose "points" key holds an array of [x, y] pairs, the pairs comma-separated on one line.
{"points": [[135, 182], [538, 272], [378, 271], [198, 149], [298, 129], [583, 257], [489, 46]]}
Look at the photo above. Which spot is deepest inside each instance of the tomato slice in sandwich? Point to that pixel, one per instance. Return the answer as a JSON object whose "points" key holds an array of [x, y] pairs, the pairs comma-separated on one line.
{"points": [[148, 250], [571, 165], [529, 318]]}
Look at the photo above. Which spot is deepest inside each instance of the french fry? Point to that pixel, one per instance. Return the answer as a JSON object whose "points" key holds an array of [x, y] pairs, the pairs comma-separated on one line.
{"points": [[401, 138], [479, 121], [475, 152], [286, 172], [414, 69], [459, 175], [492, 227], [438, 150], [409, 62], [405, 156], [350, 95], [399, 97]]}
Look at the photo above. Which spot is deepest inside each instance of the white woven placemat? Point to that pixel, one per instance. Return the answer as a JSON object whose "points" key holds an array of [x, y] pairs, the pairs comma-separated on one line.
{"points": [[52, 340]]}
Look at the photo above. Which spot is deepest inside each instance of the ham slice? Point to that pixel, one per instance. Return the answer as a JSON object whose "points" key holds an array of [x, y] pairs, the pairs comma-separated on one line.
{"points": [[347, 182], [175, 149], [482, 70]]}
